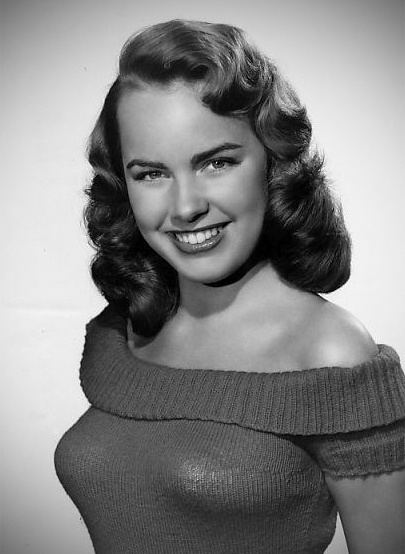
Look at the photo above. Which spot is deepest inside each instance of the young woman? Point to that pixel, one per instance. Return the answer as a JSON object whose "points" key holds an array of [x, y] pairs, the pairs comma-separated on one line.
{"points": [[233, 409]]}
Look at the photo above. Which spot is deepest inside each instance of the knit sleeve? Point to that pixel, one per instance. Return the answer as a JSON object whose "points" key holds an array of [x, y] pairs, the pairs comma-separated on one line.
{"points": [[370, 409], [359, 453]]}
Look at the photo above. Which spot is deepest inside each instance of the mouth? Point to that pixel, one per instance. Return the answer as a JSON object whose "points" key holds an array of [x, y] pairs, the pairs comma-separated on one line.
{"points": [[200, 240]]}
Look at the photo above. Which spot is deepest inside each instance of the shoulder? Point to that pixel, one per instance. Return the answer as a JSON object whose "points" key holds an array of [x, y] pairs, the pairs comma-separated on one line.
{"points": [[335, 337]]}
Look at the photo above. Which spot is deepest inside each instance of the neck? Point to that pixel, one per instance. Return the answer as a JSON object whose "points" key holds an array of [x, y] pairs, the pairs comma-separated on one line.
{"points": [[199, 300]]}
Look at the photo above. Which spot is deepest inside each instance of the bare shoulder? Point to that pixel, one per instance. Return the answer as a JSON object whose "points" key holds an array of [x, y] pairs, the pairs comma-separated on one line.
{"points": [[335, 337]]}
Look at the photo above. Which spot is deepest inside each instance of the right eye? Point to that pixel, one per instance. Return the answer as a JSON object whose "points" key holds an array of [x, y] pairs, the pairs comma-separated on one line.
{"points": [[148, 175]]}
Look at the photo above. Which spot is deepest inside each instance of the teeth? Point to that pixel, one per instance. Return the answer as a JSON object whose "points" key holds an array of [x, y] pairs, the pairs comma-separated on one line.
{"points": [[197, 238]]}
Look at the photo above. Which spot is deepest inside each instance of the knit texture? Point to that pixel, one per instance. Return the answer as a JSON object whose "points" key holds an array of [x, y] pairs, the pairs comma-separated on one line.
{"points": [[171, 461]]}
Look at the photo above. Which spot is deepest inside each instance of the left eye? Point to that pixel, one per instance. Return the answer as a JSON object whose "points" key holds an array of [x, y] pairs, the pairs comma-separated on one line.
{"points": [[148, 176], [220, 163]]}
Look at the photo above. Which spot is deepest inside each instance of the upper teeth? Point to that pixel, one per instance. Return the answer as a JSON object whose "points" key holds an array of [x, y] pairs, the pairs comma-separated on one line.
{"points": [[201, 236]]}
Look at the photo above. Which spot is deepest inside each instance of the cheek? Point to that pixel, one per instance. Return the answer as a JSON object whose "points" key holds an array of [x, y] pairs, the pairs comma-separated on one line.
{"points": [[248, 199], [147, 208]]}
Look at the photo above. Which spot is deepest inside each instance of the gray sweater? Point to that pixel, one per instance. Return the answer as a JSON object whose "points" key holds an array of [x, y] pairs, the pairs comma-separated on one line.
{"points": [[206, 461]]}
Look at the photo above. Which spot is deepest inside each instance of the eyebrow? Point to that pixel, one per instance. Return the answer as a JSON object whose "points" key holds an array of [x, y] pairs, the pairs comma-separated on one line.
{"points": [[195, 160]]}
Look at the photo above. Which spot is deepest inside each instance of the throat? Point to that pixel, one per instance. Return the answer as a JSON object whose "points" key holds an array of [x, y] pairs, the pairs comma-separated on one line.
{"points": [[231, 297]]}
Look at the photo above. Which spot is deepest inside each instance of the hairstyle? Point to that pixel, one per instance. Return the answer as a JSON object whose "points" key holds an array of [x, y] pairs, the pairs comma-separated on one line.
{"points": [[303, 236]]}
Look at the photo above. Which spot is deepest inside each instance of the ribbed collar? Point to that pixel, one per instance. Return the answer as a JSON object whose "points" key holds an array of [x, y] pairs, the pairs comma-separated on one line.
{"points": [[311, 401]]}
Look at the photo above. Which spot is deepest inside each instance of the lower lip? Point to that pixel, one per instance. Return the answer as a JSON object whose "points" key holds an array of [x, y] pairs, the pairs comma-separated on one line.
{"points": [[209, 244]]}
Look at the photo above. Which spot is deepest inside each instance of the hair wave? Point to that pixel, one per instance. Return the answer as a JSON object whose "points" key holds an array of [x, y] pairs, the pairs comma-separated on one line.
{"points": [[304, 235]]}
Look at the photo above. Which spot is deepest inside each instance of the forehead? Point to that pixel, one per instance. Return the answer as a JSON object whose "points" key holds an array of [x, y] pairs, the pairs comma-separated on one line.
{"points": [[172, 121]]}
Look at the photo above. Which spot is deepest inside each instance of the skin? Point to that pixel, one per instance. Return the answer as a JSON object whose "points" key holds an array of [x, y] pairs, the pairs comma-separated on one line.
{"points": [[254, 319], [249, 320], [160, 125], [372, 511]]}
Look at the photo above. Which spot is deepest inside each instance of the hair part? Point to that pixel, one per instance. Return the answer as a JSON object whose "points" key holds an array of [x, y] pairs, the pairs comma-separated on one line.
{"points": [[304, 235]]}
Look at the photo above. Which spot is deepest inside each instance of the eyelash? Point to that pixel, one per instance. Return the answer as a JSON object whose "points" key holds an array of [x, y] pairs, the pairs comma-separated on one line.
{"points": [[229, 161]]}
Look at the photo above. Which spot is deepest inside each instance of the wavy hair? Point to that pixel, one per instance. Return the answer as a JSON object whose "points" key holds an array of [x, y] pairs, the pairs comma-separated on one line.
{"points": [[303, 236]]}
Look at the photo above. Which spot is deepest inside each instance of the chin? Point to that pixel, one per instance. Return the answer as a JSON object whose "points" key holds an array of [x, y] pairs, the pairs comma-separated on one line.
{"points": [[208, 277]]}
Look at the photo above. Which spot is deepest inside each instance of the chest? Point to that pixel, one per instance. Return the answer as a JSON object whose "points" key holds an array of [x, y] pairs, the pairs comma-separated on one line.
{"points": [[212, 466], [193, 486], [254, 347]]}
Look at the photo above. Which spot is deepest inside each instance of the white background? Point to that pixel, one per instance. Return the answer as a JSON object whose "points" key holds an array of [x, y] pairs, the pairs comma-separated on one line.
{"points": [[57, 59]]}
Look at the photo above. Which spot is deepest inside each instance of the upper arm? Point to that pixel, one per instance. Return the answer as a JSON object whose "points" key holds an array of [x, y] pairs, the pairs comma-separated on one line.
{"points": [[371, 506], [372, 511]]}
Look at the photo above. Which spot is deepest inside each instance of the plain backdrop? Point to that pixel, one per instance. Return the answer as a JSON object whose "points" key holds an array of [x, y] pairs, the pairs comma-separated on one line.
{"points": [[57, 59]]}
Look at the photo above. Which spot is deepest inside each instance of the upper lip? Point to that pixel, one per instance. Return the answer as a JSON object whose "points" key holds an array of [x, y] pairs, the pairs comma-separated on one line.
{"points": [[196, 230]]}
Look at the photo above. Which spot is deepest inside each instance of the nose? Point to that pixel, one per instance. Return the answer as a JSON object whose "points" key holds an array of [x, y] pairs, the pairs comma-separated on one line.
{"points": [[188, 202]]}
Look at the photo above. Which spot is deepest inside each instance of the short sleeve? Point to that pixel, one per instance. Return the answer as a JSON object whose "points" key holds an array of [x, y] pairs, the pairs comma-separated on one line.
{"points": [[359, 453]]}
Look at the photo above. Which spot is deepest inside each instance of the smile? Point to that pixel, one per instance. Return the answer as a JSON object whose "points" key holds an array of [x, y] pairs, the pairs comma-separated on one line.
{"points": [[194, 242], [198, 237]]}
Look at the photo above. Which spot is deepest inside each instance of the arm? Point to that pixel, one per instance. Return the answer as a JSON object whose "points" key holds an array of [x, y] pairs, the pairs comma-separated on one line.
{"points": [[371, 507], [372, 511]]}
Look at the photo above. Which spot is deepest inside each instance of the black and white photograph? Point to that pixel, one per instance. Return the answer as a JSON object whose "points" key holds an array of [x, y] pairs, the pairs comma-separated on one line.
{"points": [[203, 272]]}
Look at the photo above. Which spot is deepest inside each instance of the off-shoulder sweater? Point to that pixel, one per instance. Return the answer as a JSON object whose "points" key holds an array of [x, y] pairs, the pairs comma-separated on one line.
{"points": [[208, 461]]}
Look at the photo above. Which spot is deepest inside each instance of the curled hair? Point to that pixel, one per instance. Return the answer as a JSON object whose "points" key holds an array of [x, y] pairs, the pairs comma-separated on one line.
{"points": [[303, 235]]}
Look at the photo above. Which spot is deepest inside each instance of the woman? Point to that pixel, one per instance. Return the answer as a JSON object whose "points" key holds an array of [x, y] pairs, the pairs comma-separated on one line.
{"points": [[233, 409]]}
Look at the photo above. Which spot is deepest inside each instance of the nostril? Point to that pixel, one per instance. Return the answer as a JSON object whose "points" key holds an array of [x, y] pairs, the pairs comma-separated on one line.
{"points": [[195, 216], [189, 202]]}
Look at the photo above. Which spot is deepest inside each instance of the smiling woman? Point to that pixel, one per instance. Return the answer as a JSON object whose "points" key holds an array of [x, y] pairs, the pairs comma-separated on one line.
{"points": [[233, 409], [213, 179]]}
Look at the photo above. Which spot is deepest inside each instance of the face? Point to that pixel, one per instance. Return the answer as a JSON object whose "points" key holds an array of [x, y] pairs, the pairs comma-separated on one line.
{"points": [[196, 180]]}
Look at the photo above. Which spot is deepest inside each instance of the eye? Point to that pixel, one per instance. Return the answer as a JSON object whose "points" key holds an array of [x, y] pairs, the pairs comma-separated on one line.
{"points": [[219, 164], [148, 175]]}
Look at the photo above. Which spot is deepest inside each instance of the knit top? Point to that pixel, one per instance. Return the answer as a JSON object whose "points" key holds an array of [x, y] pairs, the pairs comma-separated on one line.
{"points": [[173, 461]]}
